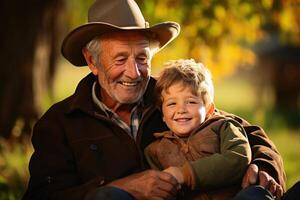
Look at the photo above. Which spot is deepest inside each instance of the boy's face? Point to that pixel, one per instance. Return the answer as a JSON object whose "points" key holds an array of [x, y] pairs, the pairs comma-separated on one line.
{"points": [[182, 110]]}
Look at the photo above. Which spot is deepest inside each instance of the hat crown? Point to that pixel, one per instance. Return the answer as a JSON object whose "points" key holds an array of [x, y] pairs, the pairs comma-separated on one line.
{"points": [[121, 13], [107, 16]]}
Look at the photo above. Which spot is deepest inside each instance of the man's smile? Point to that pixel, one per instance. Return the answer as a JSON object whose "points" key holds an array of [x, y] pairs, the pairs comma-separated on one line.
{"points": [[129, 83]]}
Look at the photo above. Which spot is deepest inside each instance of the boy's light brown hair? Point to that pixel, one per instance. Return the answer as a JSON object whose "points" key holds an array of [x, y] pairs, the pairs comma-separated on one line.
{"points": [[190, 74]]}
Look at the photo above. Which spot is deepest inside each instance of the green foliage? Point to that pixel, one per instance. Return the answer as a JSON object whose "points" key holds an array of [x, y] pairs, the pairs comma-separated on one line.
{"points": [[77, 11], [14, 159], [221, 33]]}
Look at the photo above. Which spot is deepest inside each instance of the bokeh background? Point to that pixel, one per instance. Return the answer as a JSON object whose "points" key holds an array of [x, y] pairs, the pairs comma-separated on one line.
{"points": [[252, 48]]}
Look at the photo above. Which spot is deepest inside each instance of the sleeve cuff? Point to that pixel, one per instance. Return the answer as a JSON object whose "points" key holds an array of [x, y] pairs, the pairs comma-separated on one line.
{"points": [[188, 174]]}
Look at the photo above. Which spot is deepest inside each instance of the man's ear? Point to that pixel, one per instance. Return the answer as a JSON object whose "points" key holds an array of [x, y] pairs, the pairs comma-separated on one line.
{"points": [[90, 61]]}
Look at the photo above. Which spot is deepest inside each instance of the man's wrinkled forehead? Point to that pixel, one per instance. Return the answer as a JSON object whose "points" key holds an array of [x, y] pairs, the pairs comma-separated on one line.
{"points": [[136, 37]]}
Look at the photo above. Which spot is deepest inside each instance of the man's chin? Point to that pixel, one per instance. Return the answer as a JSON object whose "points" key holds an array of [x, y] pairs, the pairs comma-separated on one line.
{"points": [[128, 100], [128, 97]]}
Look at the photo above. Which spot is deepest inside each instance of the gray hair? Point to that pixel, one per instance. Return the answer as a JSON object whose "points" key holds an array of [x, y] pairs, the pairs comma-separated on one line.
{"points": [[93, 47]]}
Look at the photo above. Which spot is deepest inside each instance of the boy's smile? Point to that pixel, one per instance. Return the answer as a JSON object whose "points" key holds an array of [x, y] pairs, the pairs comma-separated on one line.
{"points": [[182, 110]]}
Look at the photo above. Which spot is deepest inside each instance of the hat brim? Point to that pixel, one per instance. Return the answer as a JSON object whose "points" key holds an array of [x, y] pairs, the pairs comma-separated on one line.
{"points": [[79, 37]]}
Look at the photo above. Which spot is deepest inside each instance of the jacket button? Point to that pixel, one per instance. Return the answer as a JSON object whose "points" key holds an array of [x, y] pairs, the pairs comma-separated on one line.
{"points": [[49, 179], [93, 147], [102, 182]]}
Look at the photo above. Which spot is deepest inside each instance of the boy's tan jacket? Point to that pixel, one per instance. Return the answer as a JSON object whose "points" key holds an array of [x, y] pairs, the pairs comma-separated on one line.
{"points": [[170, 150]]}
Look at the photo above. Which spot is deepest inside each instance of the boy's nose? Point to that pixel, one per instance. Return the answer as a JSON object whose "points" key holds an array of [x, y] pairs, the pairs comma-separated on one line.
{"points": [[181, 109]]}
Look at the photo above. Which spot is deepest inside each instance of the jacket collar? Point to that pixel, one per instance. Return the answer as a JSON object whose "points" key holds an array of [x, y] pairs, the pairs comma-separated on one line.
{"points": [[82, 100]]}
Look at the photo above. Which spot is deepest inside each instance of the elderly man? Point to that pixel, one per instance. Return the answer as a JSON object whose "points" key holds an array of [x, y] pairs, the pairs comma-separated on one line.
{"points": [[93, 141]]}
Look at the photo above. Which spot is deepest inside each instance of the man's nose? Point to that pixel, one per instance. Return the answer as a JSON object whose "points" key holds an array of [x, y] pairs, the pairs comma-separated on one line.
{"points": [[132, 70]]}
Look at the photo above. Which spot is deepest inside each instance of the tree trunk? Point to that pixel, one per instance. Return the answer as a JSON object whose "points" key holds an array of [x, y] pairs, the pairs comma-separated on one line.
{"points": [[25, 22]]}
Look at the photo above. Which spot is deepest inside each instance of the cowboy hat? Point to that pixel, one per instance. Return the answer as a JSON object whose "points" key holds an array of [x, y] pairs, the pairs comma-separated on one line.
{"points": [[114, 15]]}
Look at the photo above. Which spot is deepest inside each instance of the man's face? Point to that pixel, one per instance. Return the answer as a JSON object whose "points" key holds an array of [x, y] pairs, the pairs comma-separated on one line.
{"points": [[124, 69], [182, 110]]}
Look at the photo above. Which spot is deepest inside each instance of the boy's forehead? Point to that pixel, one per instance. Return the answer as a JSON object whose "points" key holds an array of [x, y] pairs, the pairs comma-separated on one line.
{"points": [[180, 86]]}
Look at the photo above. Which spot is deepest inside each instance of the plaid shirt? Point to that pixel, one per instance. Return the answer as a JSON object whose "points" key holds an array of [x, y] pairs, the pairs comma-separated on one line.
{"points": [[134, 117]]}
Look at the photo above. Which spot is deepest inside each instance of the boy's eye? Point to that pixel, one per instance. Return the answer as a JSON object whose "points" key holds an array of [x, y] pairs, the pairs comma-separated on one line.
{"points": [[171, 104], [192, 102]]}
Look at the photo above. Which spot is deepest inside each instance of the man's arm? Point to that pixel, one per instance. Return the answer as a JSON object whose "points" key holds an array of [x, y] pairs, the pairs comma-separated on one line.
{"points": [[254, 176], [265, 154], [232, 161], [265, 157], [54, 170]]}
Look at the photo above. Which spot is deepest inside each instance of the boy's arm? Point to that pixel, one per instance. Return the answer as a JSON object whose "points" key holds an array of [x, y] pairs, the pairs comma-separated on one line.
{"points": [[215, 170], [228, 166], [150, 155], [264, 153]]}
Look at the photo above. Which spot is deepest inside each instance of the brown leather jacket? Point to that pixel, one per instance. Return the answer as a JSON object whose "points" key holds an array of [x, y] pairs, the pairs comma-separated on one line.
{"points": [[77, 149]]}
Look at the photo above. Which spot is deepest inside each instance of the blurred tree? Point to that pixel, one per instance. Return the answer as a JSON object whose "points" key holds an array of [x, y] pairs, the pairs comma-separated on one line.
{"points": [[29, 48], [279, 66], [278, 56]]}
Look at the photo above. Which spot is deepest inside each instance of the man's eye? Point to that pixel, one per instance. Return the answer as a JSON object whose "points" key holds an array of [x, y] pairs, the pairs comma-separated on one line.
{"points": [[142, 60], [120, 61]]}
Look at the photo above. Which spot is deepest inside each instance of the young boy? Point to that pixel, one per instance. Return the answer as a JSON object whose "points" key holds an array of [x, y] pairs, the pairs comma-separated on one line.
{"points": [[206, 152]]}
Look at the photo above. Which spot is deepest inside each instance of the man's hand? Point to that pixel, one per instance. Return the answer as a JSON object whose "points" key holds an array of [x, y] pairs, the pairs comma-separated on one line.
{"points": [[149, 184], [254, 176]]}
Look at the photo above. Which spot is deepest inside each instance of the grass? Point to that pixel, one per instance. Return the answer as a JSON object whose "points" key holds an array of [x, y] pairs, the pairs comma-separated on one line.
{"points": [[14, 159], [234, 94], [287, 142]]}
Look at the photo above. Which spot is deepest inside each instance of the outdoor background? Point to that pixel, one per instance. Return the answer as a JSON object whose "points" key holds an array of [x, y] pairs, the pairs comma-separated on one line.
{"points": [[252, 48]]}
